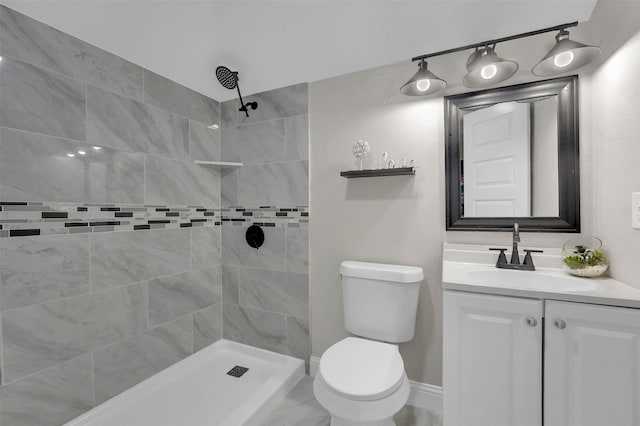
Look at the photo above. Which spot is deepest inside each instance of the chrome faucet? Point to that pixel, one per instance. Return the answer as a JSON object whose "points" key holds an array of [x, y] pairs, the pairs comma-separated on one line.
{"points": [[526, 265]]}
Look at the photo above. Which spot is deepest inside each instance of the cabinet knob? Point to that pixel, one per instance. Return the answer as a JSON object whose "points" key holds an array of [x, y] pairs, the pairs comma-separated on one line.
{"points": [[560, 324], [531, 321]]}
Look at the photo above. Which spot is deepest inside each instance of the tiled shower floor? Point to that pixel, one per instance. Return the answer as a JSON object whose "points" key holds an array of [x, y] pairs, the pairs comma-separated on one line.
{"points": [[300, 408]]}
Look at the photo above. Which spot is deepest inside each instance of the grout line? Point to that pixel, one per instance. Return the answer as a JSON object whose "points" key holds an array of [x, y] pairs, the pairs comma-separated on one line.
{"points": [[155, 327], [221, 318], [45, 134], [86, 142], [93, 379], [78, 79], [146, 300], [191, 250], [51, 367], [2, 346], [286, 258], [105, 290], [91, 238], [286, 335], [86, 112], [285, 152], [193, 333], [189, 140], [144, 179]]}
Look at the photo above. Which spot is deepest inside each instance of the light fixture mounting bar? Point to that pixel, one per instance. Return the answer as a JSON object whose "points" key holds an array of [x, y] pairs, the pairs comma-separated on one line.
{"points": [[497, 40]]}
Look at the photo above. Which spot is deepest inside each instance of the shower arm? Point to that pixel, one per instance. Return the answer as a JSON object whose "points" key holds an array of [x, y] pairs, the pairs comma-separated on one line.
{"points": [[243, 107]]}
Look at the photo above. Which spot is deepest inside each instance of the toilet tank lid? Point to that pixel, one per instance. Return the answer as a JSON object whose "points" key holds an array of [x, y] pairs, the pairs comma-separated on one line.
{"points": [[381, 271]]}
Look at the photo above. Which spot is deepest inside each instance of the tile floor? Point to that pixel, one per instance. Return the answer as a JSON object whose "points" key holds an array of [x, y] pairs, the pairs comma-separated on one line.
{"points": [[300, 408]]}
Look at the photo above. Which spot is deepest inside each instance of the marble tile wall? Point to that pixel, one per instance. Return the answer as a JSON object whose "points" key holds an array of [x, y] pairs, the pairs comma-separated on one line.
{"points": [[96, 154], [273, 145], [265, 292], [119, 256]]}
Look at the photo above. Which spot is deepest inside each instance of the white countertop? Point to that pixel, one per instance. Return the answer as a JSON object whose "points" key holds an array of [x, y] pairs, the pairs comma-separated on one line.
{"points": [[472, 268]]}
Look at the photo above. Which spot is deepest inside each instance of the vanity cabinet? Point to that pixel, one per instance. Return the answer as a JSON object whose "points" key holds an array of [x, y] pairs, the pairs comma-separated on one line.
{"points": [[492, 360], [591, 365], [502, 354]]}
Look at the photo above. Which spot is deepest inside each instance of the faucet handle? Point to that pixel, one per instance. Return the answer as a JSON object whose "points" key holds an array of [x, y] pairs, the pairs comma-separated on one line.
{"points": [[528, 260], [502, 258]]}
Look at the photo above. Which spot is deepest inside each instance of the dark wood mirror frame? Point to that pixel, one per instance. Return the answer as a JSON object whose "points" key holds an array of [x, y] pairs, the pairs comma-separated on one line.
{"points": [[568, 220]]}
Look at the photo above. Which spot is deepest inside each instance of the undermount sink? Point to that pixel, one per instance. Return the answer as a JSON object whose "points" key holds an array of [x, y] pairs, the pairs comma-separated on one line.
{"points": [[534, 280]]}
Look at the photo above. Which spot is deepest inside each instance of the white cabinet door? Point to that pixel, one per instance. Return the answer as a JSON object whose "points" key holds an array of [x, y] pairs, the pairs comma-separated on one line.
{"points": [[592, 365], [492, 360]]}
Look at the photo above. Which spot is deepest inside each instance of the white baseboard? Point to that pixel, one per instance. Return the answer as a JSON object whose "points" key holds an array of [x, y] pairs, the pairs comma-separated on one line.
{"points": [[426, 396], [422, 395]]}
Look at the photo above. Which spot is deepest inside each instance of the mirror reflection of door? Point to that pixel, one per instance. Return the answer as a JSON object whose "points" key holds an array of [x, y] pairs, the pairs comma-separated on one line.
{"points": [[497, 150]]}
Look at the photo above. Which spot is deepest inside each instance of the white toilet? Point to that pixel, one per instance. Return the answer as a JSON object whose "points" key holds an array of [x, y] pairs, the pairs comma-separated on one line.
{"points": [[361, 380]]}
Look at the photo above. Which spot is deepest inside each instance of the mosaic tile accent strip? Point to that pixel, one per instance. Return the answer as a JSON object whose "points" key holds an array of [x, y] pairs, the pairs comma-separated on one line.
{"points": [[18, 219]]}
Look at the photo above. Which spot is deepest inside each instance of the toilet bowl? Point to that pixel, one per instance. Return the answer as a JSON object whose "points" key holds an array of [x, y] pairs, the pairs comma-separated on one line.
{"points": [[361, 379], [361, 382]]}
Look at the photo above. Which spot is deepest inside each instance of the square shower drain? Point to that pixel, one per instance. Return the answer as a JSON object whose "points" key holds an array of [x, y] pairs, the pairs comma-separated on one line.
{"points": [[237, 371]]}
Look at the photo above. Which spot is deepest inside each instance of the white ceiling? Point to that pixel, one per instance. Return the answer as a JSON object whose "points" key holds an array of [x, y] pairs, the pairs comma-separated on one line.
{"points": [[278, 43]]}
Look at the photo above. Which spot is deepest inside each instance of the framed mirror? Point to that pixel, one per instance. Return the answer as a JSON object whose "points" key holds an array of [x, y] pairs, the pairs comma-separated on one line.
{"points": [[511, 155]]}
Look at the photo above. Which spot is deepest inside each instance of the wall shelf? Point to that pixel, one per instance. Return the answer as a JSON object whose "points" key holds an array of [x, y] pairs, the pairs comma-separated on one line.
{"points": [[224, 164], [379, 172]]}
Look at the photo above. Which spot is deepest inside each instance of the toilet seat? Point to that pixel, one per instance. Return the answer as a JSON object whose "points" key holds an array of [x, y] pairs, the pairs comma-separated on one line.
{"points": [[362, 370]]}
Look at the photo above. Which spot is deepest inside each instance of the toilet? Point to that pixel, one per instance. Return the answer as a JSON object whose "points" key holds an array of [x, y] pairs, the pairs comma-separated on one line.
{"points": [[361, 379]]}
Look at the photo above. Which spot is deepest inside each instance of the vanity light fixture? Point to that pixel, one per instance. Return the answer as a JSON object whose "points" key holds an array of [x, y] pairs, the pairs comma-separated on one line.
{"points": [[486, 68], [423, 82], [567, 55]]}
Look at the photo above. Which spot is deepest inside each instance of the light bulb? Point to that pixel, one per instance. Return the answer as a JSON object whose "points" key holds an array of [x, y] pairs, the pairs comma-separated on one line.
{"points": [[423, 85], [71, 155], [213, 126], [563, 59], [97, 148], [81, 152], [489, 71]]}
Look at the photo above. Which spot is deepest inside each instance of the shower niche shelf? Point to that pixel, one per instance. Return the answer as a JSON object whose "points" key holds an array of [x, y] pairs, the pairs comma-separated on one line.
{"points": [[379, 172], [223, 164]]}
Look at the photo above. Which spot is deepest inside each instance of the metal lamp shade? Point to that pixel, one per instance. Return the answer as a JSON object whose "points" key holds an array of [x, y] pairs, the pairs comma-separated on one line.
{"points": [[567, 55], [486, 68], [423, 82]]}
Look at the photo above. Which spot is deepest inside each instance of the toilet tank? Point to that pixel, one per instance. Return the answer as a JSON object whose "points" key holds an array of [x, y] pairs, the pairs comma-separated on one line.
{"points": [[380, 300]]}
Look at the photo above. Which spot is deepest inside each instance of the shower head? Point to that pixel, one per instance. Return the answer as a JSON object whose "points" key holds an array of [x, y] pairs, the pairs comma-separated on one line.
{"points": [[227, 78]]}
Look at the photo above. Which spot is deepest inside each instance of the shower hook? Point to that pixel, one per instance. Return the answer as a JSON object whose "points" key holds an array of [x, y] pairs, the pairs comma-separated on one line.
{"points": [[229, 79]]}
